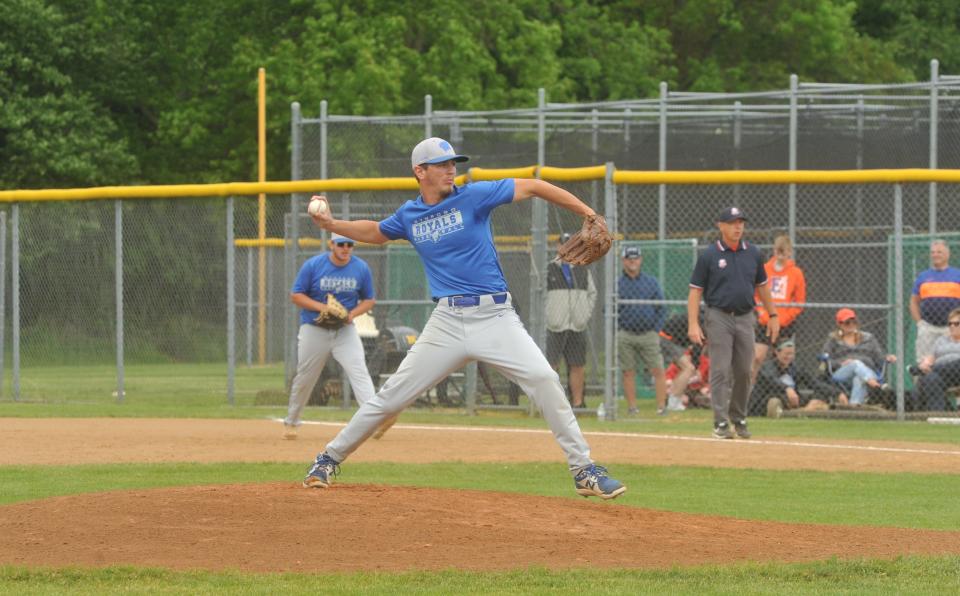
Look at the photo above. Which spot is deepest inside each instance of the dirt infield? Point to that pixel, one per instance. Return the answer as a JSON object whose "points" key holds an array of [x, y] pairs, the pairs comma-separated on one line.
{"points": [[283, 527]]}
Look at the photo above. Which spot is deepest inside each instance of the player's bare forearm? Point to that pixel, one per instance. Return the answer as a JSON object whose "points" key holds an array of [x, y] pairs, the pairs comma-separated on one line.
{"points": [[361, 230], [306, 302], [364, 306], [524, 188], [915, 307], [773, 325], [694, 333]]}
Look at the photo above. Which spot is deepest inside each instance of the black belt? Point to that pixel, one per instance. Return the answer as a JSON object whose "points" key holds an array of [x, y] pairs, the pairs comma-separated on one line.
{"points": [[471, 300], [736, 313]]}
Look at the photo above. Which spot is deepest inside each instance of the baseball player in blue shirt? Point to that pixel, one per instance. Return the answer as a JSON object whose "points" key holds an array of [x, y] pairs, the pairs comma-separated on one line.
{"points": [[348, 278], [449, 226]]}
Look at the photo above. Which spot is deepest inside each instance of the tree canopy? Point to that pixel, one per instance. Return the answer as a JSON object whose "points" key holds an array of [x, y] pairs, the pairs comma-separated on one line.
{"points": [[150, 91]]}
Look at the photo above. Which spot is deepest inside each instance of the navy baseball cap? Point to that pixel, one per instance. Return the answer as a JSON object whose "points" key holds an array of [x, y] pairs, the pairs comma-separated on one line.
{"points": [[631, 252], [732, 214], [434, 150], [335, 238]]}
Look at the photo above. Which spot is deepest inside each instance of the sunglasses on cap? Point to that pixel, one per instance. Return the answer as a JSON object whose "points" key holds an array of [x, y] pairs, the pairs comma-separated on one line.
{"points": [[345, 244]]}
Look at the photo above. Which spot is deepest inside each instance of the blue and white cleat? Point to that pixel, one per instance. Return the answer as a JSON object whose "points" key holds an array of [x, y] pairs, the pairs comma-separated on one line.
{"points": [[322, 472], [592, 481]]}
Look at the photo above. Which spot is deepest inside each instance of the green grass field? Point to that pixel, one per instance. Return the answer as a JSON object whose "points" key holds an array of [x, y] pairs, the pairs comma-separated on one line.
{"points": [[927, 501]]}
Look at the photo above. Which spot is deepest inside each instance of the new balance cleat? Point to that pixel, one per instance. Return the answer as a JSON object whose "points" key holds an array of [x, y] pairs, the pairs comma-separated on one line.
{"points": [[592, 481], [722, 430], [322, 472]]}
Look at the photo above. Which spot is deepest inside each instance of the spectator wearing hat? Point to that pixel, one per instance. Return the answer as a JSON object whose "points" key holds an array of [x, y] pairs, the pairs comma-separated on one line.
{"points": [[571, 297], [855, 356], [936, 292], [787, 286], [727, 276], [638, 339], [783, 385]]}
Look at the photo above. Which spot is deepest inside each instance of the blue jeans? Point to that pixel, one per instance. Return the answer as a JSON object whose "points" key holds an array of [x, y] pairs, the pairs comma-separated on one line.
{"points": [[857, 374]]}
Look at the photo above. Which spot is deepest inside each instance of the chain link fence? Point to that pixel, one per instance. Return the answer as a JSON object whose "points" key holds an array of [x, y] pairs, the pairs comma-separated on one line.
{"points": [[184, 280]]}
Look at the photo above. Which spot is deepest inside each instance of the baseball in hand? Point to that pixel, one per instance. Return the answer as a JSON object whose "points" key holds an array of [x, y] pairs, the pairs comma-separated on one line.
{"points": [[317, 207]]}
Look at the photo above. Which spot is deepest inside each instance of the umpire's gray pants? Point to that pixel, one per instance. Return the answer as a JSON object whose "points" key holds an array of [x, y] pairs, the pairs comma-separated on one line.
{"points": [[491, 333], [730, 345], [314, 346]]}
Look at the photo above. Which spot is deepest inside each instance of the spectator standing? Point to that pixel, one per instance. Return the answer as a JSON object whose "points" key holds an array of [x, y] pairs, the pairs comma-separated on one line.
{"points": [[727, 276], [782, 385], [638, 339], [787, 286], [571, 297], [936, 292], [855, 356], [348, 278], [942, 368]]}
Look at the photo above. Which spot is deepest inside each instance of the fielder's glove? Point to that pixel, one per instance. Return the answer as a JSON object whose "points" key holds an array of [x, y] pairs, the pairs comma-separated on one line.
{"points": [[587, 245], [333, 317]]}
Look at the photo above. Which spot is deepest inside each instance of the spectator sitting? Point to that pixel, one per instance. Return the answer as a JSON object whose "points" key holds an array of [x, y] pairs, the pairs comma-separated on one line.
{"points": [[693, 389], [682, 354], [942, 369], [782, 385], [855, 356]]}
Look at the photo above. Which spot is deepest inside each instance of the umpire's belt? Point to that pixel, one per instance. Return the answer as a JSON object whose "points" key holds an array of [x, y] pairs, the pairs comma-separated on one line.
{"points": [[462, 301], [736, 313]]}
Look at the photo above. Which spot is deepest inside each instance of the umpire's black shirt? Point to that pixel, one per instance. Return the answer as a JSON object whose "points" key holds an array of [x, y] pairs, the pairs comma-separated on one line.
{"points": [[729, 277]]}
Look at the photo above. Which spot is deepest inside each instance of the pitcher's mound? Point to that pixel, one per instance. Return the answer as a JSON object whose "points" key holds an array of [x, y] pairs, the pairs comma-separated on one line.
{"points": [[284, 527]]}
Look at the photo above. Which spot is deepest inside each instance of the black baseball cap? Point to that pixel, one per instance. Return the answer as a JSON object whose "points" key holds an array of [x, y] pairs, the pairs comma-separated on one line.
{"points": [[732, 214]]}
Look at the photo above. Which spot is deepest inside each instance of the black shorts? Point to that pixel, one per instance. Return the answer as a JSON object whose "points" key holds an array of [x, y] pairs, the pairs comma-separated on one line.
{"points": [[760, 333], [569, 345]]}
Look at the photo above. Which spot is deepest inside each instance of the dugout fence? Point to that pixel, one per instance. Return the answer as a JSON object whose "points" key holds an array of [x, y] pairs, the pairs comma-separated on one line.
{"points": [[149, 293]]}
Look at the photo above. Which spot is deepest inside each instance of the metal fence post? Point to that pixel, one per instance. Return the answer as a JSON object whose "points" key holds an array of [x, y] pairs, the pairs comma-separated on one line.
{"points": [[792, 196], [15, 298], [3, 293], [934, 124], [293, 236], [898, 292], [231, 306], [737, 142], [610, 312], [427, 116], [118, 289], [538, 234], [249, 307], [662, 161]]}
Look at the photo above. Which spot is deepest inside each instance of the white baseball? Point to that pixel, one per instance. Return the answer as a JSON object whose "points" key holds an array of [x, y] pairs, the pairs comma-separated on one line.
{"points": [[317, 206]]}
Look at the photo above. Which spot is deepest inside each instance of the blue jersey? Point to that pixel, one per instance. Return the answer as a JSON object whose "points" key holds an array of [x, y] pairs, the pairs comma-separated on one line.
{"points": [[939, 293], [319, 276], [454, 239]]}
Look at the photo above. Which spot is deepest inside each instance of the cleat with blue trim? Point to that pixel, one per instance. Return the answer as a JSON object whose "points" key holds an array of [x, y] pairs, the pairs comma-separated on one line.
{"points": [[592, 481], [322, 472]]}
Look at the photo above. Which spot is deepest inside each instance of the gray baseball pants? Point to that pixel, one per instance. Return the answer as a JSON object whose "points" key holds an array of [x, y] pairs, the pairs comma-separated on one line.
{"points": [[730, 344], [491, 333], [314, 346]]}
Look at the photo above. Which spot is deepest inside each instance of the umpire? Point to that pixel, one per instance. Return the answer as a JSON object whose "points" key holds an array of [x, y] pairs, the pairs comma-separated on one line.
{"points": [[725, 277]]}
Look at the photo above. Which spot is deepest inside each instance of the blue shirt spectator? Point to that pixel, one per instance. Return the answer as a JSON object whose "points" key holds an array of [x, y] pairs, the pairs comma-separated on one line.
{"points": [[636, 285]]}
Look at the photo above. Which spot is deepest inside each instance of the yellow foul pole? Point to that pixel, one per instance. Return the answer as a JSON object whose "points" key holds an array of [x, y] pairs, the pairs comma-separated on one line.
{"points": [[262, 216]]}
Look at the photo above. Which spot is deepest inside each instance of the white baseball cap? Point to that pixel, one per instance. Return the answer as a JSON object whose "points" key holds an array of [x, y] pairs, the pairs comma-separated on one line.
{"points": [[434, 150]]}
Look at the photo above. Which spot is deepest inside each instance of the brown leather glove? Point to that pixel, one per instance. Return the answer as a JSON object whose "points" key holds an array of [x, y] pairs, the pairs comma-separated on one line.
{"points": [[587, 245], [335, 315]]}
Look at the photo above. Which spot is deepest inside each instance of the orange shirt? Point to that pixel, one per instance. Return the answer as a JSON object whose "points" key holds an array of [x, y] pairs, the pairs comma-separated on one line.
{"points": [[786, 285]]}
